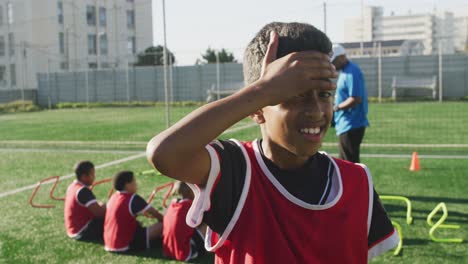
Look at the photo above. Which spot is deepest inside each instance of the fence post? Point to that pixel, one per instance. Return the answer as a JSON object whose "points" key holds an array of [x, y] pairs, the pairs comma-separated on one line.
{"points": [[127, 83], [440, 71], [49, 103], [87, 87], [379, 71], [171, 82], [218, 81]]}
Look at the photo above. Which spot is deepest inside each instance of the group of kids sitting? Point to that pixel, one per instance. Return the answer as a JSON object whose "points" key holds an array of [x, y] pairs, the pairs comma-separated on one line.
{"points": [[115, 223]]}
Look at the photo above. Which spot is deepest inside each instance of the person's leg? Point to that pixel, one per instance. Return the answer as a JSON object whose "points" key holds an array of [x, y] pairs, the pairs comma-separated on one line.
{"points": [[94, 230], [345, 146], [155, 231], [350, 143], [140, 239], [358, 135], [198, 240]]}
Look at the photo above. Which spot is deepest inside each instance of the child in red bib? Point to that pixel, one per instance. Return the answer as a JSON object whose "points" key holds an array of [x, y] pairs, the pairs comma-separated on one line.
{"points": [[83, 214], [277, 199], [180, 241], [122, 232]]}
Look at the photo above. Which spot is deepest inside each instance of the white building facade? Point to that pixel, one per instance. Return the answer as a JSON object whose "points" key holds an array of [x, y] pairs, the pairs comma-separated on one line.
{"points": [[69, 35], [431, 29]]}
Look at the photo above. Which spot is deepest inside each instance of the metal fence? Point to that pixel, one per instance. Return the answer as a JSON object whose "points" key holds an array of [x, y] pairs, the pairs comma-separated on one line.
{"points": [[187, 83], [7, 96], [192, 83]]}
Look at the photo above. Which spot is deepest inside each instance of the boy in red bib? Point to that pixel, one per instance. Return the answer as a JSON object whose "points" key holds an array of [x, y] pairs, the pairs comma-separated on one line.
{"points": [[83, 214], [276, 199], [122, 232], [181, 241]]}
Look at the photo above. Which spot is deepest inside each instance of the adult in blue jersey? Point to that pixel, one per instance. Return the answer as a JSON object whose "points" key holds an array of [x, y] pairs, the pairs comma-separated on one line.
{"points": [[350, 105]]}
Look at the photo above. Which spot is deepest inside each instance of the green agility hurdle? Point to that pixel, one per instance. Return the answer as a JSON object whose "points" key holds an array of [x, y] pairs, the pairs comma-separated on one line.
{"points": [[439, 224]]}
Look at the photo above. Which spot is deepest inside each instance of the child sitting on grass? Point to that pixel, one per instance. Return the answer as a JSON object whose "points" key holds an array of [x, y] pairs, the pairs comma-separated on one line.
{"points": [[122, 231], [276, 199], [83, 214], [180, 241]]}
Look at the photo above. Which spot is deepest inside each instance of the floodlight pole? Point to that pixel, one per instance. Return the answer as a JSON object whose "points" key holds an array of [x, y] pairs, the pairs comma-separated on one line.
{"points": [[362, 28], [325, 17], [166, 91]]}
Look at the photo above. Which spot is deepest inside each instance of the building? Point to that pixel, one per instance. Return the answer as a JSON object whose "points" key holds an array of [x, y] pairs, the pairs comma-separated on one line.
{"points": [[68, 35], [431, 28], [388, 48], [461, 34]]}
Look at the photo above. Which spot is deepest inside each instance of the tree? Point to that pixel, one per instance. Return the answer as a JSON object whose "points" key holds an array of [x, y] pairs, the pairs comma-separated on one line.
{"points": [[224, 56], [154, 56]]}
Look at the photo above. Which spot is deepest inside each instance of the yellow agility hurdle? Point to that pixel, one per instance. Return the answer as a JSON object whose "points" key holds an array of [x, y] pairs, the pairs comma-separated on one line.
{"points": [[400, 234], [409, 218], [439, 224]]}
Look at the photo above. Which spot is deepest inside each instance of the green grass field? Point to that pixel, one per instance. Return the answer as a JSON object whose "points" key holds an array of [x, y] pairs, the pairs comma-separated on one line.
{"points": [[39, 144]]}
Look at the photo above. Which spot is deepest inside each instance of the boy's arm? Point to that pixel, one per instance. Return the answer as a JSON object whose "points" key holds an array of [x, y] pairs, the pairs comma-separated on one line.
{"points": [[382, 235], [97, 209], [155, 214], [179, 152], [86, 197]]}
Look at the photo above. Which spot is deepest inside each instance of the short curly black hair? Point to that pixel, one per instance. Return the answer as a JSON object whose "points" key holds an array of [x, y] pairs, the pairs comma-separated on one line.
{"points": [[83, 167], [121, 179], [293, 37]]}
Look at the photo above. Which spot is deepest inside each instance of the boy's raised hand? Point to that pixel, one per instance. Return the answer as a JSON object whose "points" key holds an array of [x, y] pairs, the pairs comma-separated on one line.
{"points": [[295, 73]]}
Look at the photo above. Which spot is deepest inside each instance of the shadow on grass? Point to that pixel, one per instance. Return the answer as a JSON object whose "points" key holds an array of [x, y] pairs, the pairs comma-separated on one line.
{"points": [[415, 241], [155, 252], [421, 214]]}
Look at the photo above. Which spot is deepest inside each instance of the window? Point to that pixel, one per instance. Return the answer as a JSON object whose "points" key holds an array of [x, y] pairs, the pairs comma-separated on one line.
{"points": [[92, 65], [130, 18], [103, 44], [2, 46], [130, 1], [1, 15], [60, 12], [102, 17], [92, 44], [13, 74], [2, 74], [10, 13], [91, 15], [64, 65], [131, 45], [61, 43], [11, 44]]}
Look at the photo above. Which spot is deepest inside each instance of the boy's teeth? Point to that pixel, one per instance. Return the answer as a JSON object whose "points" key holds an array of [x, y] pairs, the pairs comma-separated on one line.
{"points": [[315, 130]]}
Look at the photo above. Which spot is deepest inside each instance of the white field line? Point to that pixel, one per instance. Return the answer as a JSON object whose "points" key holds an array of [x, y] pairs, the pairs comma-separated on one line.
{"points": [[104, 165], [49, 150], [76, 142], [101, 166], [333, 144], [408, 156]]}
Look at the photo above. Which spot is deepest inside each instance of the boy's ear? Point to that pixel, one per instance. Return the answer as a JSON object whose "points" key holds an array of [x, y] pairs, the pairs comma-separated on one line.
{"points": [[258, 117]]}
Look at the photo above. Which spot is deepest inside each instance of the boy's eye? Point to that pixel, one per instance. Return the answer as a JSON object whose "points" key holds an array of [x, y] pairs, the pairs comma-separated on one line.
{"points": [[325, 94]]}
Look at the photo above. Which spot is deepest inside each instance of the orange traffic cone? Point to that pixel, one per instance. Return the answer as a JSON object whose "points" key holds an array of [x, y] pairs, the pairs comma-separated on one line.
{"points": [[415, 162]]}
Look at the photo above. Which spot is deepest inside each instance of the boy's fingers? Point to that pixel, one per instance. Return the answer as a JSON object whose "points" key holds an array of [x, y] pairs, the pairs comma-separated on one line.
{"points": [[317, 68], [272, 49], [311, 54], [322, 84], [321, 73]]}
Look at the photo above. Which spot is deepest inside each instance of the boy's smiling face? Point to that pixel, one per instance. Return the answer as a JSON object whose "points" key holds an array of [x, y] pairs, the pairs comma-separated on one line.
{"points": [[297, 125]]}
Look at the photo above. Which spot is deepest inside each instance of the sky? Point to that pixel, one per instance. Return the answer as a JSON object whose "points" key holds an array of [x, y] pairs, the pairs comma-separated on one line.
{"points": [[193, 26]]}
